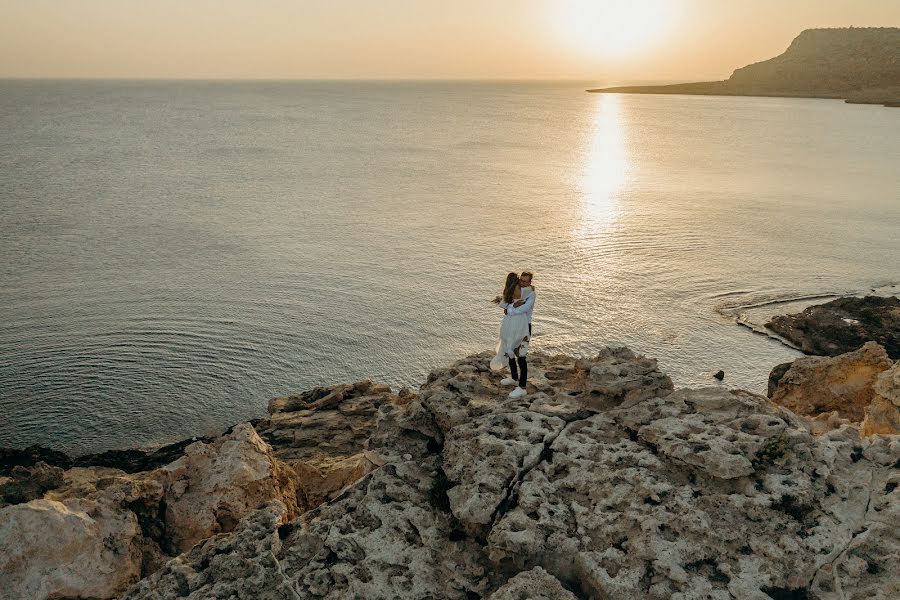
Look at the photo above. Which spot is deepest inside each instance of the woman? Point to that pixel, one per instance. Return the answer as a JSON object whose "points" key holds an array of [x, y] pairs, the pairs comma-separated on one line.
{"points": [[513, 328]]}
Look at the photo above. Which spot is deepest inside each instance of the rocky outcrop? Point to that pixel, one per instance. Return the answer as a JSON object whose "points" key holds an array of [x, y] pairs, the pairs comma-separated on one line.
{"points": [[601, 482], [101, 529], [213, 486], [74, 549], [608, 488], [860, 63], [813, 385], [29, 483], [858, 387], [883, 413], [322, 435], [843, 325]]}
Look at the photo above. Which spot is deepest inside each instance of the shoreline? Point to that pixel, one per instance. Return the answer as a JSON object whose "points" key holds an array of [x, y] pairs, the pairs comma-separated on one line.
{"points": [[155, 451], [350, 488], [657, 91]]}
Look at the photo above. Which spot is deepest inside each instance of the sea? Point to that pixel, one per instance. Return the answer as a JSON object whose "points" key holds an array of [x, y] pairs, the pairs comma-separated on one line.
{"points": [[173, 254]]}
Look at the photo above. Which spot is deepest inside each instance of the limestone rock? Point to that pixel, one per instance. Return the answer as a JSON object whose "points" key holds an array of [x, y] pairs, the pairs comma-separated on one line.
{"points": [[775, 376], [213, 486], [240, 565], [813, 385], [888, 385], [536, 584], [483, 458], [77, 549], [823, 423], [390, 536], [883, 413], [882, 417], [323, 434], [618, 375], [622, 508], [598, 483]]}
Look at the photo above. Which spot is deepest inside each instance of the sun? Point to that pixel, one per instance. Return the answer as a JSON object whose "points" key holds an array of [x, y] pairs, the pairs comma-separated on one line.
{"points": [[605, 28]]}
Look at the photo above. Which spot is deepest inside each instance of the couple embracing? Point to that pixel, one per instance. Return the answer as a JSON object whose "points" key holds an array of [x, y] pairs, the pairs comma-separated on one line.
{"points": [[517, 303]]}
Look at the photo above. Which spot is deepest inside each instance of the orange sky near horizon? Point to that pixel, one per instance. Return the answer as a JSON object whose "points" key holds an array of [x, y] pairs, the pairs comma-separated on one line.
{"points": [[605, 41]]}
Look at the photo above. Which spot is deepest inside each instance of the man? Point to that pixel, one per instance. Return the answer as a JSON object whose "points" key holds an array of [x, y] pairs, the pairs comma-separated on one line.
{"points": [[519, 372]]}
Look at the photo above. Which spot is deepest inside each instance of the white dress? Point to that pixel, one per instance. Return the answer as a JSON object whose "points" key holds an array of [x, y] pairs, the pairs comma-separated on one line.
{"points": [[513, 331]]}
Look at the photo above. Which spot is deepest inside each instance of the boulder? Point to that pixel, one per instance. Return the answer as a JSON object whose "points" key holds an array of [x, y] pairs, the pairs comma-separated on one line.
{"points": [[74, 549], [213, 486], [844, 384]]}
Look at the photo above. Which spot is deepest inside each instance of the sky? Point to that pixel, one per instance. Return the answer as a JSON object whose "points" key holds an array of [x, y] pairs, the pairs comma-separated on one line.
{"points": [[608, 41]]}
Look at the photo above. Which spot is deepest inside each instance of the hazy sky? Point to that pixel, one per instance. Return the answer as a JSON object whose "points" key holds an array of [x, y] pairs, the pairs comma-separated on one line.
{"points": [[600, 40]]}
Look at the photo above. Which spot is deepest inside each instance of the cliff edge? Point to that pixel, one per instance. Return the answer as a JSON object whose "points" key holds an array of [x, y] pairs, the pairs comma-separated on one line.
{"points": [[601, 482]]}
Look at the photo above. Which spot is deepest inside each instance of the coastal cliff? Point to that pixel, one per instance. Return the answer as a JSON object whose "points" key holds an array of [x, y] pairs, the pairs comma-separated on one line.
{"points": [[858, 64], [602, 482]]}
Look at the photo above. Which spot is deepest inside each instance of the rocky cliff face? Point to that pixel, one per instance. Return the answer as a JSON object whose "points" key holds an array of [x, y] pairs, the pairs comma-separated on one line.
{"points": [[602, 482], [827, 62], [859, 64]]}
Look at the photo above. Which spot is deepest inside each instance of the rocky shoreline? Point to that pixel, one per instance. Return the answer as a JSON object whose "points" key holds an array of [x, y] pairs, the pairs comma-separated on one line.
{"points": [[843, 325], [602, 482]]}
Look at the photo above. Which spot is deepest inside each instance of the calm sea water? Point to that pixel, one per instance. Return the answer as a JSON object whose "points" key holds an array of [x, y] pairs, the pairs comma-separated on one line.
{"points": [[174, 254]]}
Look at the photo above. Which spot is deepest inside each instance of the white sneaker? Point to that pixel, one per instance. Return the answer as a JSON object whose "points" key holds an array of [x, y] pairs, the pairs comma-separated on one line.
{"points": [[517, 393], [508, 381]]}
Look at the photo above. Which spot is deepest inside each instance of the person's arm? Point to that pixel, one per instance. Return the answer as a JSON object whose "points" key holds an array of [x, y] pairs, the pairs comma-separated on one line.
{"points": [[518, 310]]}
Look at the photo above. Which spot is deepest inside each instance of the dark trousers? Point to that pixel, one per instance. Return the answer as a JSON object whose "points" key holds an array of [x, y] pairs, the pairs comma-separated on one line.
{"points": [[521, 372]]}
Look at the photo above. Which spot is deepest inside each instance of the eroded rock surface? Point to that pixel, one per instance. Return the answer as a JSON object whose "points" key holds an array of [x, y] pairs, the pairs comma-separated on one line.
{"points": [[536, 584], [100, 529], [213, 486], [883, 413], [814, 384], [77, 549], [599, 483], [322, 435]]}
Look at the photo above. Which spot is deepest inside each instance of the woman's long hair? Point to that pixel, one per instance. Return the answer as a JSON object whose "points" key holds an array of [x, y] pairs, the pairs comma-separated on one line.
{"points": [[512, 280]]}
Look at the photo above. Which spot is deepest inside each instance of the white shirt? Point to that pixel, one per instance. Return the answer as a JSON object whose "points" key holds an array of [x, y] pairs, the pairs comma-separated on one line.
{"points": [[526, 308]]}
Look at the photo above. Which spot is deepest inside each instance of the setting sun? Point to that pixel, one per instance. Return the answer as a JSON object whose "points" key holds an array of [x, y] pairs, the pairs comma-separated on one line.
{"points": [[612, 27]]}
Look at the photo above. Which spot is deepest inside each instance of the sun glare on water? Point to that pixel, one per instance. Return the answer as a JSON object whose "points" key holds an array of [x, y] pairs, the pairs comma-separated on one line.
{"points": [[608, 28]]}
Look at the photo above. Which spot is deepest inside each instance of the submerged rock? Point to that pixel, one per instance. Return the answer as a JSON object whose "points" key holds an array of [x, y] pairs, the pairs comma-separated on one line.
{"points": [[843, 325]]}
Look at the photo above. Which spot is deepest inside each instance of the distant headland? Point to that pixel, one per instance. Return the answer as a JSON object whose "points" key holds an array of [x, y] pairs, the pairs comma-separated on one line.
{"points": [[860, 65]]}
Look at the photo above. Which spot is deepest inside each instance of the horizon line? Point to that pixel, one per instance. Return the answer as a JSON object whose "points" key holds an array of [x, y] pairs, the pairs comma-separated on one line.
{"points": [[354, 79]]}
